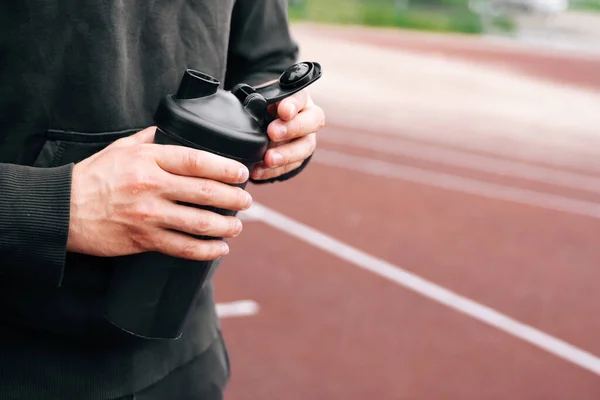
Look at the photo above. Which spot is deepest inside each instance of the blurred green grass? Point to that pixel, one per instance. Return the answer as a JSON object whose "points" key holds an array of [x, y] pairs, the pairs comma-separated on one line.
{"points": [[585, 5], [429, 15]]}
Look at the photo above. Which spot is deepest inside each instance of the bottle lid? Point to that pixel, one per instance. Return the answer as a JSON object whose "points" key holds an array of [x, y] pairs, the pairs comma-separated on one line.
{"points": [[232, 124]]}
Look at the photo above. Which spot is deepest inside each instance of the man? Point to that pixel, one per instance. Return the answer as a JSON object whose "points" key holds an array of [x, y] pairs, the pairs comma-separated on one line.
{"points": [[81, 181]]}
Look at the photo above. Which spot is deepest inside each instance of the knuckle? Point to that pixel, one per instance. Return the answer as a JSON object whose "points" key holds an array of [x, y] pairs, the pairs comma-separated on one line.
{"points": [[143, 211], [206, 189], [144, 240], [203, 224], [139, 181], [188, 250], [193, 161], [147, 182]]}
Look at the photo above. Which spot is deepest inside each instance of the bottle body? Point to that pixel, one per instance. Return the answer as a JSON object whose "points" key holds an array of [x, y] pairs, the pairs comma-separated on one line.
{"points": [[151, 294]]}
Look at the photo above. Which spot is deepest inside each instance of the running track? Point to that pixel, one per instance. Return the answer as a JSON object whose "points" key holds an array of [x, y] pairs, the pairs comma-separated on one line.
{"points": [[395, 268]]}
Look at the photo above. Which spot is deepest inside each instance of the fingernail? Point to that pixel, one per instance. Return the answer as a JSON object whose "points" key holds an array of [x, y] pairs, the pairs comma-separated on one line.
{"points": [[280, 131], [248, 201], [276, 158], [224, 248], [243, 174], [238, 227], [292, 110]]}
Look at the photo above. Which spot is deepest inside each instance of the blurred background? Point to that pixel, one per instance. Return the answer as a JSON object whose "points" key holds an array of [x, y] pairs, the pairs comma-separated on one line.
{"points": [[445, 241]]}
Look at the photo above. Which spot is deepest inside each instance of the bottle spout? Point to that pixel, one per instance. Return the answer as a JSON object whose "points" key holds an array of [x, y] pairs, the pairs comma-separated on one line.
{"points": [[195, 84]]}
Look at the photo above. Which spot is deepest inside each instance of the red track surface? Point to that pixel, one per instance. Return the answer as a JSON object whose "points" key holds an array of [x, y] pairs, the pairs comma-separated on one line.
{"points": [[541, 64], [328, 330]]}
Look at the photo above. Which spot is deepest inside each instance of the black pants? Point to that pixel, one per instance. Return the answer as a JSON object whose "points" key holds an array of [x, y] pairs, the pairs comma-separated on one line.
{"points": [[203, 378]]}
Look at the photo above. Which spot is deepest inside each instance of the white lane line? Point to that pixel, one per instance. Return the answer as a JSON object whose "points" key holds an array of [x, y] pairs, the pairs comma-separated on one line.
{"points": [[464, 160], [428, 289], [564, 155], [457, 183], [242, 308], [245, 216]]}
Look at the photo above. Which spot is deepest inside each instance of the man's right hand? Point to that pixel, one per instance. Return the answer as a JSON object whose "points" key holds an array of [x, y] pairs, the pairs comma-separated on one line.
{"points": [[124, 200]]}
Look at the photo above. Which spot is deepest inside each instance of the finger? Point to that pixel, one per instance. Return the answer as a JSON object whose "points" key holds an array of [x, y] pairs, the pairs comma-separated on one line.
{"points": [[262, 173], [206, 192], [197, 221], [186, 161], [182, 246], [141, 137], [311, 119], [294, 151], [289, 107]]}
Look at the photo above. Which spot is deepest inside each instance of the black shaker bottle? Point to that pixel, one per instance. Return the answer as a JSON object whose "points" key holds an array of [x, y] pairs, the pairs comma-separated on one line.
{"points": [[151, 294]]}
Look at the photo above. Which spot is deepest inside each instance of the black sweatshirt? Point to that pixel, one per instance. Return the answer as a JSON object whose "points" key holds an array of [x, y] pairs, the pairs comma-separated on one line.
{"points": [[75, 75]]}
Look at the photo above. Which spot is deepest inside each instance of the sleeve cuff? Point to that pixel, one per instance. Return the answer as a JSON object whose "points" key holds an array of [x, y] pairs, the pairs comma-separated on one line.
{"points": [[34, 221], [284, 177]]}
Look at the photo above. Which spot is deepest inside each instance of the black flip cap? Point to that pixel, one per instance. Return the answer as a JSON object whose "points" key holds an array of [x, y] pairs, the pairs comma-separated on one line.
{"points": [[294, 79]]}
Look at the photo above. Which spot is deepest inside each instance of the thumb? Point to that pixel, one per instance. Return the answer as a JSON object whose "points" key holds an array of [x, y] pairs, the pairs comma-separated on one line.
{"points": [[141, 137]]}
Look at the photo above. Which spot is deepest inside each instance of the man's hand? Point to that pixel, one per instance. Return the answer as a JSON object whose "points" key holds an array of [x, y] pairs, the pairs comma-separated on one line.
{"points": [[293, 135], [124, 200]]}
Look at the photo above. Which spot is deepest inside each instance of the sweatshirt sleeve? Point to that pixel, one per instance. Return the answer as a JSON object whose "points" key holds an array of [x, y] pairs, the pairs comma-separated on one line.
{"points": [[34, 221], [261, 48]]}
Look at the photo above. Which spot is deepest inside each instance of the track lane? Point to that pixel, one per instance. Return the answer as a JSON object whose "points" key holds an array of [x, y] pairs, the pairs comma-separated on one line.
{"points": [[536, 265], [576, 186], [330, 331]]}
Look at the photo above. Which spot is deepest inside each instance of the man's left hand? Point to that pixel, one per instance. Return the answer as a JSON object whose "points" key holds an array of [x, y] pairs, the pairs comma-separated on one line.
{"points": [[293, 135]]}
